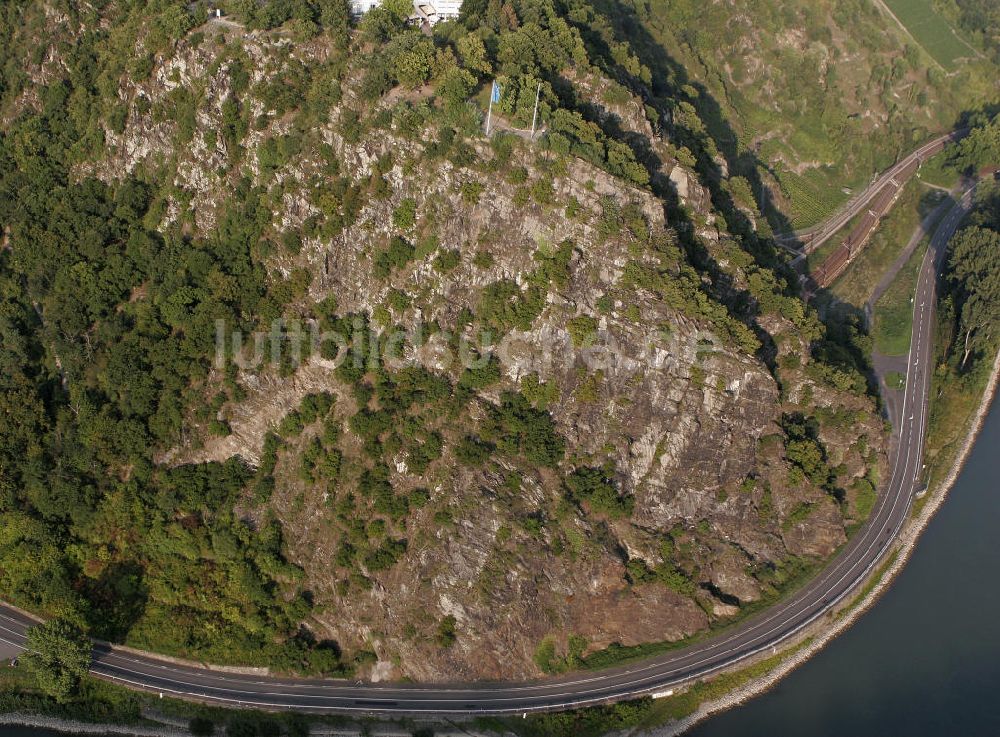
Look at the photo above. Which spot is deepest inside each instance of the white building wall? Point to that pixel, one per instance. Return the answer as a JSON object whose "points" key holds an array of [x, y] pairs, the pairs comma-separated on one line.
{"points": [[360, 7], [442, 8], [447, 8]]}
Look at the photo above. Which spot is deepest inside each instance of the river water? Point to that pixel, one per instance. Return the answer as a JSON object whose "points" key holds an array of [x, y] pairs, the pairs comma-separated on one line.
{"points": [[924, 662]]}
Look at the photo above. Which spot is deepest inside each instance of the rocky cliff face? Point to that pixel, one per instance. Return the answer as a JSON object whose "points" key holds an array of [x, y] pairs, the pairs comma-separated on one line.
{"points": [[690, 426]]}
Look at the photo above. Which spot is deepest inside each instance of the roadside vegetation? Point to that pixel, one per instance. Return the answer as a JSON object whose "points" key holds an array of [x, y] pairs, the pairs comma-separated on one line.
{"points": [[968, 328], [57, 654], [95, 701], [893, 319], [895, 380], [641, 714], [92, 701], [940, 171]]}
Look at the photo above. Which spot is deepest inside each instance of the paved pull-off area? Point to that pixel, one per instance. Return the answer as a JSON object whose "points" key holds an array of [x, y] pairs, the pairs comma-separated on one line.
{"points": [[755, 635]]}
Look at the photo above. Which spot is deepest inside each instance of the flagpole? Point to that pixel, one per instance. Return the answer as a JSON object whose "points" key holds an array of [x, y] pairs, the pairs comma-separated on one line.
{"points": [[534, 115], [489, 111]]}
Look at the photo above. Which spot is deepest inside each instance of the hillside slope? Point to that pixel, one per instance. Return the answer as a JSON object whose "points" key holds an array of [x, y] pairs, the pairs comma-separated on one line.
{"points": [[664, 438], [803, 98]]}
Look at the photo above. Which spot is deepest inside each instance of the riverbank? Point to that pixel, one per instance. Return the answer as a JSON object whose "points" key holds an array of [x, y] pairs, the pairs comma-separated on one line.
{"points": [[872, 591], [176, 729], [75, 727], [798, 653]]}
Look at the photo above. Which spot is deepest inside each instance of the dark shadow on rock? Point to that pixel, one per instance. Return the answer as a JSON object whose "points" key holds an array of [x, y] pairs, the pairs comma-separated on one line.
{"points": [[717, 155]]}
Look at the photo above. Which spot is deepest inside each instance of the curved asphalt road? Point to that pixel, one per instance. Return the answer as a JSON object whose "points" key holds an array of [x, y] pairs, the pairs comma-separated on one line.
{"points": [[652, 677]]}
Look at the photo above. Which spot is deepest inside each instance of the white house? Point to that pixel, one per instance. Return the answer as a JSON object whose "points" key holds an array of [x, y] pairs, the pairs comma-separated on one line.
{"points": [[360, 7], [424, 10], [435, 10]]}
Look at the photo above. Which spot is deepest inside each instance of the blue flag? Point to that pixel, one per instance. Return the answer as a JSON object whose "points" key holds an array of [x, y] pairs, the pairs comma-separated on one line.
{"points": [[495, 97]]}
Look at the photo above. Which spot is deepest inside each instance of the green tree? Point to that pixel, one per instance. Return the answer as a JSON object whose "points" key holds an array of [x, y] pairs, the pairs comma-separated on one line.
{"points": [[597, 487], [455, 86], [473, 54], [405, 214], [804, 450], [582, 330], [446, 634], [974, 265], [412, 60], [58, 656], [980, 148]]}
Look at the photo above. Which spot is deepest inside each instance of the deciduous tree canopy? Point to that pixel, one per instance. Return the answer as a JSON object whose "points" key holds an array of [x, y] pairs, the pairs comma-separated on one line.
{"points": [[974, 279], [58, 655]]}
